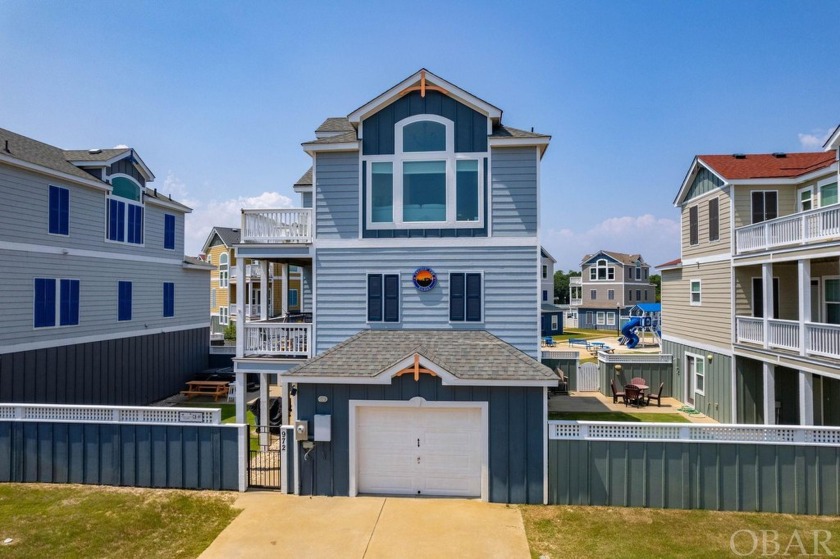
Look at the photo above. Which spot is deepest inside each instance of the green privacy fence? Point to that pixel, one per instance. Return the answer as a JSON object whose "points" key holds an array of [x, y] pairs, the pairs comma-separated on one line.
{"points": [[701, 466]]}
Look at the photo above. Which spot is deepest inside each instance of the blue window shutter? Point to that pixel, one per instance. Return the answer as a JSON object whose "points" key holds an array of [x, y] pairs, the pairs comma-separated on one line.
{"points": [[456, 297], [374, 290], [131, 222], [124, 300], [168, 299], [69, 304], [44, 302], [64, 211], [392, 298], [135, 224], [169, 231], [55, 209], [112, 220], [473, 297]]}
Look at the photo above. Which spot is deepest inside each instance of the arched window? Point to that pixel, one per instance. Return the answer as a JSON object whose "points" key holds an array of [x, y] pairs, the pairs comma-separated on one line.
{"points": [[125, 211], [425, 183], [601, 271], [224, 270]]}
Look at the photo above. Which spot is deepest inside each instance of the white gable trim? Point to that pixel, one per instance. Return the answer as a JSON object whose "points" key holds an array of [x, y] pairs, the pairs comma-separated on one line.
{"points": [[312, 148], [833, 141], [689, 178], [393, 94]]}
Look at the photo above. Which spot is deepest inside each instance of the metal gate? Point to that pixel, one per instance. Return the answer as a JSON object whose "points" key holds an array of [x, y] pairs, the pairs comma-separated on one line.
{"points": [[264, 457], [587, 380]]}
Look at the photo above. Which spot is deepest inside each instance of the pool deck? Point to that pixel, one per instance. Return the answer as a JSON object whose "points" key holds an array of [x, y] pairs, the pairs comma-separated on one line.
{"points": [[595, 402]]}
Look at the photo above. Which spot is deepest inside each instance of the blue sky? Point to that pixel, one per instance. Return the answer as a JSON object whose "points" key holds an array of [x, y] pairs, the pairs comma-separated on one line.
{"points": [[217, 96]]}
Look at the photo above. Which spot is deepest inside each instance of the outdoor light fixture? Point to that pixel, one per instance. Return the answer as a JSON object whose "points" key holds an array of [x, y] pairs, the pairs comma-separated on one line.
{"points": [[709, 357], [618, 368]]}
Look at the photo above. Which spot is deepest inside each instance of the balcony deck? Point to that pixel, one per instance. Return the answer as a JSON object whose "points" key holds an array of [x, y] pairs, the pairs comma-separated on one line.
{"points": [[276, 338], [802, 228], [820, 339], [277, 226]]}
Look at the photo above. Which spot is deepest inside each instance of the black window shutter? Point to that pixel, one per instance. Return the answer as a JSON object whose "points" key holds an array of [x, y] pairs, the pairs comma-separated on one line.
{"points": [[692, 225], [392, 298], [714, 220], [374, 287], [473, 297], [456, 297]]}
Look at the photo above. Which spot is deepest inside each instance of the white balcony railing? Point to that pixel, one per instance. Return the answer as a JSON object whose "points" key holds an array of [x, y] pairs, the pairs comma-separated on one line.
{"points": [[783, 334], [277, 226], [823, 339], [576, 302], [250, 310], [252, 271], [282, 340], [750, 329], [796, 229]]}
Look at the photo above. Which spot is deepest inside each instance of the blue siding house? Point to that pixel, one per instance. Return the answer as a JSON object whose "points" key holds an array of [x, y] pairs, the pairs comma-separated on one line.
{"points": [[413, 363]]}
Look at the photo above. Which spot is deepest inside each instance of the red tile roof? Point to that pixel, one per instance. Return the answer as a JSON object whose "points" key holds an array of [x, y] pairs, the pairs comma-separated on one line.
{"points": [[676, 262], [767, 165]]}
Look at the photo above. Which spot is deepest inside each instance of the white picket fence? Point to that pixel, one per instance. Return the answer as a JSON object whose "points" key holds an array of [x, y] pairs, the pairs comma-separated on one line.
{"points": [[588, 378]]}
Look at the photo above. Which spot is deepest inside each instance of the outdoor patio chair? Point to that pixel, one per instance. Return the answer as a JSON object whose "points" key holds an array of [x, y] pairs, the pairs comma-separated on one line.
{"points": [[231, 397], [632, 394], [657, 396], [638, 381], [563, 385], [549, 342], [617, 395]]}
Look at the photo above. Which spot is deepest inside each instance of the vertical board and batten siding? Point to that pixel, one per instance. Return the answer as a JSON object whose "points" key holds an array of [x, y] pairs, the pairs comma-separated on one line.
{"points": [[135, 370], [568, 366], [717, 400], [514, 192], [516, 431], [470, 125], [161, 456], [709, 323], [126, 167], [98, 279], [337, 195], [705, 181], [24, 218], [745, 477], [653, 373], [510, 291], [704, 246], [749, 390], [786, 201]]}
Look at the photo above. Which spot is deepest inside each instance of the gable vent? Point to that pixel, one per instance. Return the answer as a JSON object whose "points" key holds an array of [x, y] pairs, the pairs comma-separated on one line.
{"points": [[739, 156], [779, 155]]}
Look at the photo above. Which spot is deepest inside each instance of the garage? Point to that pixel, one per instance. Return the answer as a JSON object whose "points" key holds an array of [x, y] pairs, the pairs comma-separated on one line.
{"points": [[408, 450]]}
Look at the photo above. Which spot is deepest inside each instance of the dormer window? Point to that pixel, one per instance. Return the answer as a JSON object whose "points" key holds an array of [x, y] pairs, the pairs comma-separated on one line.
{"points": [[125, 211], [425, 183], [601, 272]]}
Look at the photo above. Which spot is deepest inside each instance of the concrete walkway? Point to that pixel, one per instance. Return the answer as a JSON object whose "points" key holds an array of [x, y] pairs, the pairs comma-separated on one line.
{"points": [[277, 525]]}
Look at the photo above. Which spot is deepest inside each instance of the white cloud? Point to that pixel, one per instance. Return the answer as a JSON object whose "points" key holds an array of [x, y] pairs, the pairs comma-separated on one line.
{"points": [[120, 146], [223, 213], [656, 239], [814, 140]]}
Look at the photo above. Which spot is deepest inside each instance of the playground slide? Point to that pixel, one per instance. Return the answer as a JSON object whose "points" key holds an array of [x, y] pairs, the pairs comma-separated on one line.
{"points": [[629, 334]]}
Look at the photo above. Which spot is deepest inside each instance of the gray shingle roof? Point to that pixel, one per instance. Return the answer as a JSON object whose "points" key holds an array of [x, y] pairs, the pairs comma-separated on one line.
{"points": [[628, 259], [305, 179], [336, 124], [501, 131], [38, 153], [229, 235], [100, 155], [339, 139], [466, 354], [193, 261]]}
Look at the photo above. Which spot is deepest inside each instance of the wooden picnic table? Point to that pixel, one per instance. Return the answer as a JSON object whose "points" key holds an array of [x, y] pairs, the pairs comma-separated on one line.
{"points": [[215, 388]]}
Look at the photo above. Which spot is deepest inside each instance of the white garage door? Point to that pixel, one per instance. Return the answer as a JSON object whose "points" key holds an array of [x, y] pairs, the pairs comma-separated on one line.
{"points": [[419, 451]]}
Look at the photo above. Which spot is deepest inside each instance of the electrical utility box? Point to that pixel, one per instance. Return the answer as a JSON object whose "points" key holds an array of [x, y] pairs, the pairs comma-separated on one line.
{"points": [[301, 430], [323, 429]]}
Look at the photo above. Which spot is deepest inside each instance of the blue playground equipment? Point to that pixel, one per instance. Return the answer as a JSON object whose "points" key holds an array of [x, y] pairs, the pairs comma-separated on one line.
{"points": [[645, 318]]}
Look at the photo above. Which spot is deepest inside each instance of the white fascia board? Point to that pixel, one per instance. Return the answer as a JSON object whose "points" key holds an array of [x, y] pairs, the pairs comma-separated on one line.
{"points": [[669, 268], [833, 141], [203, 268], [141, 166], [690, 177], [380, 379], [168, 204], [300, 188], [426, 242], [541, 143], [93, 183], [701, 345], [345, 146], [213, 233], [454, 91]]}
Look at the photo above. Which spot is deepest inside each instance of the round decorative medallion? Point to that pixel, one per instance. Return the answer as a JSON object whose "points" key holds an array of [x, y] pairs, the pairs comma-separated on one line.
{"points": [[424, 279]]}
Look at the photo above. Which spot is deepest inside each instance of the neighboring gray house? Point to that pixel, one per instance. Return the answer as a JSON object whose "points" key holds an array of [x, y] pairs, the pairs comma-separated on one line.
{"points": [[100, 306], [610, 281], [421, 292], [551, 314]]}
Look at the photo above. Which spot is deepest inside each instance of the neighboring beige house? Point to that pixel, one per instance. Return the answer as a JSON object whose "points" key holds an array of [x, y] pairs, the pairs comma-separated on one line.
{"points": [[609, 282], [751, 310], [218, 250]]}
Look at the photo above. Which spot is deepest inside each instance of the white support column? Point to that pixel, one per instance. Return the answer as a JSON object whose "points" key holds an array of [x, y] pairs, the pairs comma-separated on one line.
{"points": [[285, 290], [241, 388], [250, 290], [804, 268], [806, 398], [240, 308], [767, 302], [286, 435], [264, 419], [769, 394], [264, 287]]}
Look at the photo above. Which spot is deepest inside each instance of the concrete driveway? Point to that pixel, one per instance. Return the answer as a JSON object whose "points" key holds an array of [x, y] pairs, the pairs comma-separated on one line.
{"points": [[276, 525]]}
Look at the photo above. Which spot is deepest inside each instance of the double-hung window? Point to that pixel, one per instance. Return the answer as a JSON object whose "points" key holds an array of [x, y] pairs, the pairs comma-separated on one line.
{"points": [[59, 211], [465, 297], [600, 271], [425, 183], [383, 298], [56, 298], [169, 231], [125, 211], [224, 270], [123, 300], [168, 299], [828, 194], [764, 205], [695, 294]]}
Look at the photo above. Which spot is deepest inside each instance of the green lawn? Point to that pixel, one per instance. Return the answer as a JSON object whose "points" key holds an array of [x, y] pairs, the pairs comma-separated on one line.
{"points": [[619, 416], [597, 532], [64, 521]]}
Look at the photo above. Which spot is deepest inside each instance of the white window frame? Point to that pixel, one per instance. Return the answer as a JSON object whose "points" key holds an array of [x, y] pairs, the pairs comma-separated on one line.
{"points": [[601, 318], [601, 264], [611, 295], [297, 297], [611, 319], [822, 184], [449, 156], [554, 322], [224, 315], [694, 373], [127, 203], [57, 303], [224, 274], [824, 302], [638, 271], [699, 301]]}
